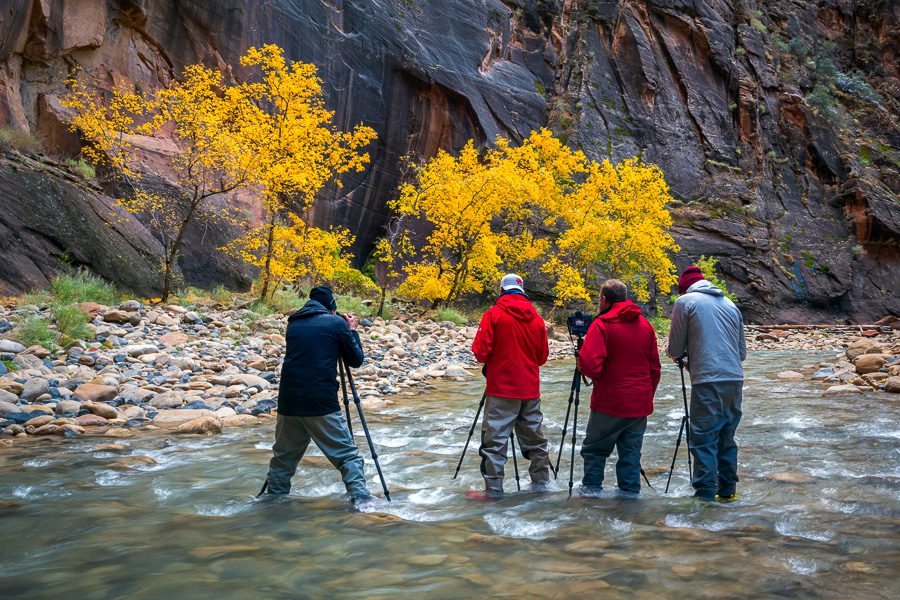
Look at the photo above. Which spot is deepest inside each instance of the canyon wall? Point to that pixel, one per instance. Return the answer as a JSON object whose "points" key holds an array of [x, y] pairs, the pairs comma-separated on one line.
{"points": [[775, 122]]}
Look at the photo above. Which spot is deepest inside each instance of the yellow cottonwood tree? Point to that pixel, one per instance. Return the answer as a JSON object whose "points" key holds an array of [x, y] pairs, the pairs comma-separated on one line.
{"points": [[296, 150], [207, 119], [615, 224]]}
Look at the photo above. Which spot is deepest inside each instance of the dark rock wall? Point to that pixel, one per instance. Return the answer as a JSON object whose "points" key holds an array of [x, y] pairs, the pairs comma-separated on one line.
{"points": [[794, 190]]}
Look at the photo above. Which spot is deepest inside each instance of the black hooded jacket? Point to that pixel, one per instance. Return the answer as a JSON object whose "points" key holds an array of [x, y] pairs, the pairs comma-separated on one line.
{"points": [[316, 340]]}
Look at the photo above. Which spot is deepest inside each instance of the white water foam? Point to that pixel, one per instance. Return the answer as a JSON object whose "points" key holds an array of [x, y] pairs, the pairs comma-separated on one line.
{"points": [[802, 566], [785, 527], [430, 496], [517, 527], [37, 462], [22, 491]]}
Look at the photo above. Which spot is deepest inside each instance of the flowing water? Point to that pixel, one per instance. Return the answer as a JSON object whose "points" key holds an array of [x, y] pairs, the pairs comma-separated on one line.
{"points": [[172, 517]]}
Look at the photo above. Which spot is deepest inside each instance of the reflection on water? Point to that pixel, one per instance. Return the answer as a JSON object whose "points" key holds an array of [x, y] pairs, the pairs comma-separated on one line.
{"points": [[173, 518]]}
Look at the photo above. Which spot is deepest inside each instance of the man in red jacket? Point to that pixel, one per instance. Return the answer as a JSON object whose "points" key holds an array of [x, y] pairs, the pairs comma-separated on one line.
{"points": [[620, 355], [512, 344]]}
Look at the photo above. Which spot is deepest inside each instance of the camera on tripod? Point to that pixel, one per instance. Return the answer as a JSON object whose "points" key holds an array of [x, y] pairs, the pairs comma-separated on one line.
{"points": [[578, 323]]}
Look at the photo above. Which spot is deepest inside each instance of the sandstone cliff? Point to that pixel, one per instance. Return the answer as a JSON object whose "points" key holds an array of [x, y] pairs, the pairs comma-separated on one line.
{"points": [[775, 122]]}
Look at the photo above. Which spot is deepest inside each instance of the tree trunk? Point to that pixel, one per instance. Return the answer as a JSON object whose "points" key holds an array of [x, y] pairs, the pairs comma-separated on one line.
{"points": [[381, 302], [167, 275], [267, 268]]}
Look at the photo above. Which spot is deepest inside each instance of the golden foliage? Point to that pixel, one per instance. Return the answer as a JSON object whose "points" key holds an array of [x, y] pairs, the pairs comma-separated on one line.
{"points": [[488, 209]]}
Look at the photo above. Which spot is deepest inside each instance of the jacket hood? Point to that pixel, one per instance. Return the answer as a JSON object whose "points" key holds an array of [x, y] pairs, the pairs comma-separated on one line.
{"points": [[705, 287], [310, 309], [621, 311], [517, 306]]}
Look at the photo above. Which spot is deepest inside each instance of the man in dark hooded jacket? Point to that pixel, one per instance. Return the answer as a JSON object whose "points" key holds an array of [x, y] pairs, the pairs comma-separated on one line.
{"points": [[620, 356], [308, 408], [708, 329], [512, 344]]}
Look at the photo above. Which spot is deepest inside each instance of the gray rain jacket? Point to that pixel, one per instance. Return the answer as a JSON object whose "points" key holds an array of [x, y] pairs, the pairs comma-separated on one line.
{"points": [[710, 328]]}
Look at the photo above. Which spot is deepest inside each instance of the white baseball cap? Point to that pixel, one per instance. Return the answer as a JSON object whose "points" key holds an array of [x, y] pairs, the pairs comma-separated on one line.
{"points": [[512, 281]]}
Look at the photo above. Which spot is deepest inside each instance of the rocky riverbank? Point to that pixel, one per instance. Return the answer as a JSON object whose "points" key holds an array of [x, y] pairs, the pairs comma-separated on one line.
{"points": [[198, 371]]}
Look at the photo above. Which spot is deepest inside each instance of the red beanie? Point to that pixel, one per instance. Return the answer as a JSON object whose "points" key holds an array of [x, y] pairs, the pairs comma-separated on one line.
{"points": [[690, 276]]}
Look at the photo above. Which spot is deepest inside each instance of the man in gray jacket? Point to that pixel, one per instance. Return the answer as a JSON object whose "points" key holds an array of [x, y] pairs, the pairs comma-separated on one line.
{"points": [[707, 330]]}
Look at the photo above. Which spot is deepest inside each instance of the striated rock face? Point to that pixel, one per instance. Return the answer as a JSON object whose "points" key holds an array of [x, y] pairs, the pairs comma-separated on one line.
{"points": [[774, 121]]}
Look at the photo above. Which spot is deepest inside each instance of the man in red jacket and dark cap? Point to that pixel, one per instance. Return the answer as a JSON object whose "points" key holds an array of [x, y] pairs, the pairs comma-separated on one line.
{"points": [[512, 344], [620, 355]]}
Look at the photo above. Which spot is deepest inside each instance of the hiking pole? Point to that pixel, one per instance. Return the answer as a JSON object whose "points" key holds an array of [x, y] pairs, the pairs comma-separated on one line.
{"points": [[512, 439], [362, 420], [685, 426], [346, 400], [471, 431]]}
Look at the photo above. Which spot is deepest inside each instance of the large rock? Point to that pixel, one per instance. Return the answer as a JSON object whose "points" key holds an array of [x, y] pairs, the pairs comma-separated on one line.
{"points": [[249, 380], [892, 385], [847, 388], [8, 397], [201, 425], [136, 350], [180, 415], [95, 393], [34, 388], [103, 410], [7, 407], [169, 399], [11, 346], [869, 363]]}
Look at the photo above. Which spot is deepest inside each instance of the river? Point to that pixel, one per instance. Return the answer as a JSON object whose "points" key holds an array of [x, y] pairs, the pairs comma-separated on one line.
{"points": [[172, 517]]}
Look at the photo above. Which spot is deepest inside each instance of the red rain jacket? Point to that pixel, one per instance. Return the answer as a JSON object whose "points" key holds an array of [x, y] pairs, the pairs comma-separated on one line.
{"points": [[512, 342], [620, 355]]}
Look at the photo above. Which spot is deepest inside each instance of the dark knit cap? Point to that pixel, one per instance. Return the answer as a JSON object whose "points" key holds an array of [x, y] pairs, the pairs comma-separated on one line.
{"points": [[690, 276], [324, 296]]}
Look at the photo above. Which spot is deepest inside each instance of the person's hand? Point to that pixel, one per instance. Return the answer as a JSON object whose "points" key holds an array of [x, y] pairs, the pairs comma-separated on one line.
{"points": [[352, 321]]}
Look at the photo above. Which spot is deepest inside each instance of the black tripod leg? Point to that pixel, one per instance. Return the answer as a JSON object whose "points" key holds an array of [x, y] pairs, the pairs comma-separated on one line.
{"points": [[675, 456], [362, 420], [687, 421], [574, 433], [346, 400], [562, 439], [512, 440], [471, 431], [265, 486]]}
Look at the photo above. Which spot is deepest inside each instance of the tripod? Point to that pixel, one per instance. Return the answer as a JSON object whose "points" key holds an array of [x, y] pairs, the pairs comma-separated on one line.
{"points": [[362, 418], [512, 439], [574, 396], [684, 429]]}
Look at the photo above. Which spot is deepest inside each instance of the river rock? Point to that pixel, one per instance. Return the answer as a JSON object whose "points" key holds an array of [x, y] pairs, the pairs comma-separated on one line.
{"points": [[860, 346], [892, 385], [13, 387], [239, 420], [11, 347], [91, 420], [136, 350], [791, 477], [248, 380], [847, 388], [34, 388], [8, 397], [38, 351], [203, 425], [170, 399], [39, 421], [790, 375], [869, 363], [98, 408], [92, 392], [116, 316], [90, 309], [67, 406], [118, 432], [173, 338], [28, 361], [180, 415], [7, 407]]}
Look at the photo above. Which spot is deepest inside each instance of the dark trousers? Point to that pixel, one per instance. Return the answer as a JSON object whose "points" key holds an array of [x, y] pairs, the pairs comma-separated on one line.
{"points": [[604, 433], [331, 435], [715, 415]]}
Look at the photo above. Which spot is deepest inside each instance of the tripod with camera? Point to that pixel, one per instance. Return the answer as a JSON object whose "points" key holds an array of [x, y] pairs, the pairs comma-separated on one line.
{"points": [[578, 325]]}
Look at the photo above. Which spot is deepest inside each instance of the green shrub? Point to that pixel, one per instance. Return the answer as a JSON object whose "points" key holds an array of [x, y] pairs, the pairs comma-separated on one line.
{"points": [[347, 303], [36, 298], [35, 331], [72, 322], [258, 310], [83, 286], [22, 141], [708, 268], [220, 295], [661, 325], [9, 365], [82, 168], [285, 301], [449, 314]]}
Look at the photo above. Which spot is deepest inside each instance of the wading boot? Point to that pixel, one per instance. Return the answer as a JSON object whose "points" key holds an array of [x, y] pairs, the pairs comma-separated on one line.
{"points": [[727, 499]]}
